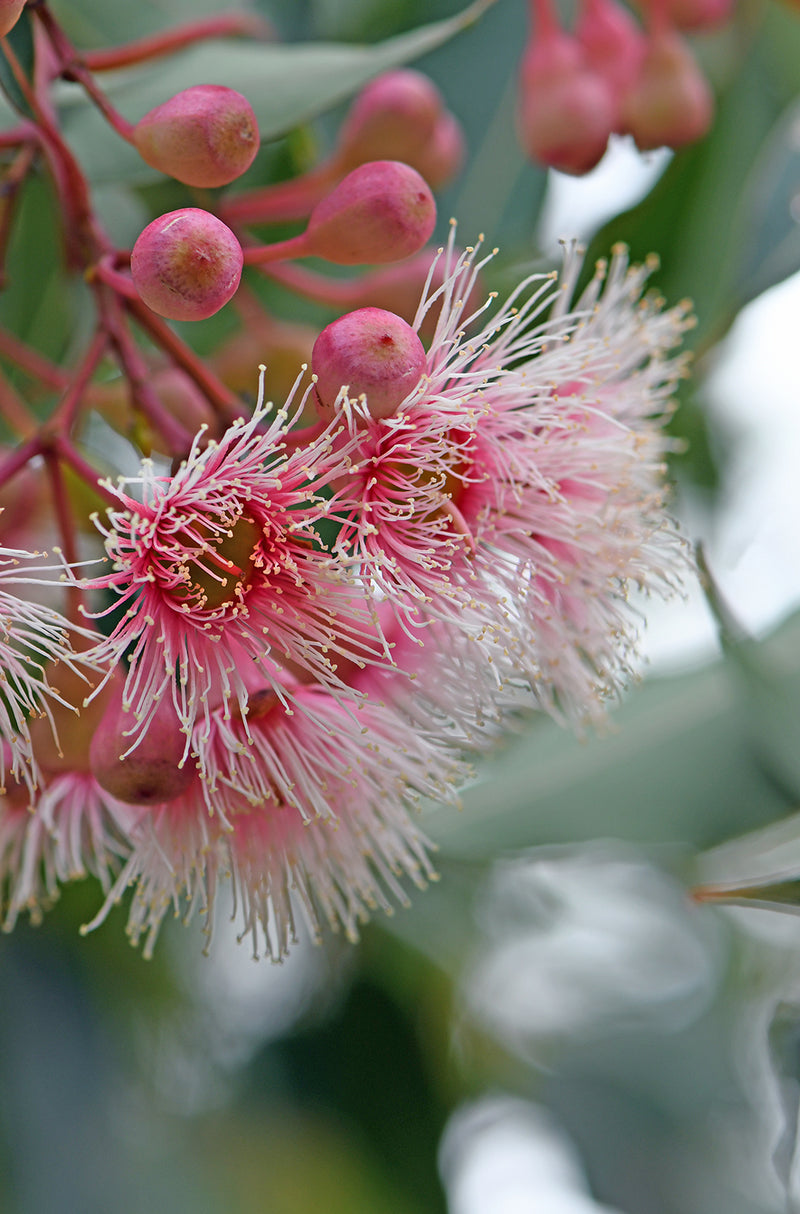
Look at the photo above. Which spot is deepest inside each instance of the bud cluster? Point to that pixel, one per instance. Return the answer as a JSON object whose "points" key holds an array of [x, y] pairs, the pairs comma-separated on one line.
{"points": [[611, 76]]}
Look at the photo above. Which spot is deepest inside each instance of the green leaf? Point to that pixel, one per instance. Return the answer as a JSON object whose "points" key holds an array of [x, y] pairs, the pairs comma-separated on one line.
{"points": [[98, 23], [769, 212], [688, 762], [286, 86], [20, 41], [39, 303]]}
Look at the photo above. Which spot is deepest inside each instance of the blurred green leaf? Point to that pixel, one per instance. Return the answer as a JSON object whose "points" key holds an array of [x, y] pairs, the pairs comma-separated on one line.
{"points": [[286, 86], [38, 302], [366, 1066], [769, 212], [783, 1040], [92, 23], [688, 761], [20, 41]]}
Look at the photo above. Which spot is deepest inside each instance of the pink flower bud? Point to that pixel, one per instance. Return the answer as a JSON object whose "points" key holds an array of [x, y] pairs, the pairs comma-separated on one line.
{"points": [[382, 211], [441, 159], [392, 118], [671, 102], [186, 264], [566, 112], [150, 773], [612, 43], [372, 353], [205, 136], [10, 13]]}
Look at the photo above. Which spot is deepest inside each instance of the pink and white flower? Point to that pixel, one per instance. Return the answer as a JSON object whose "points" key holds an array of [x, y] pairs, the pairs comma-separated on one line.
{"points": [[33, 638], [518, 491], [222, 577], [312, 817], [74, 830]]}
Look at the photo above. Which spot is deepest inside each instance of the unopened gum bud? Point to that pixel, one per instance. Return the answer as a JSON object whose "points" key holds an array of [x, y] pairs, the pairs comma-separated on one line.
{"points": [[393, 117], [205, 136], [150, 774], [671, 103], [186, 264], [382, 211], [371, 352], [10, 13]]}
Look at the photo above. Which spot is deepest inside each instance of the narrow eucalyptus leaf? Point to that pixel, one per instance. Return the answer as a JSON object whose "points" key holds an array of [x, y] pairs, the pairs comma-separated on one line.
{"points": [[20, 42], [769, 213], [286, 86]]}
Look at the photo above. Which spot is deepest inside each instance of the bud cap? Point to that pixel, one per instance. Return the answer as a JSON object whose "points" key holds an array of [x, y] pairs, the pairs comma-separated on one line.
{"points": [[150, 773], [371, 352], [382, 211], [186, 264], [205, 136]]}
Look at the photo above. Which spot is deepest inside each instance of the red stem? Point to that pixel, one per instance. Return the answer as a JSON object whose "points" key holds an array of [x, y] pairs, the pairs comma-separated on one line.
{"points": [[544, 17], [68, 455], [282, 250], [339, 292], [32, 362], [80, 232], [139, 51], [17, 135], [294, 199], [63, 417], [72, 67], [222, 400], [176, 436], [62, 507], [14, 410], [18, 459]]}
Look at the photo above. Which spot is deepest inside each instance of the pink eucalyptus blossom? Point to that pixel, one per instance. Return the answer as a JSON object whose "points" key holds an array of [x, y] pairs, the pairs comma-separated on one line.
{"points": [[74, 830], [523, 478], [33, 639], [321, 830], [218, 568]]}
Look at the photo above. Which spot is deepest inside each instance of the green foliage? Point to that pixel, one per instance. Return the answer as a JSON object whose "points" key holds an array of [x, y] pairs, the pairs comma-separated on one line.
{"points": [[286, 86], [20, 42]]}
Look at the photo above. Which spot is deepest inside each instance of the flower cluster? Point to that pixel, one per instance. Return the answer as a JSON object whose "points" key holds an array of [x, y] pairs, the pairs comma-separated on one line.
{"points": [[270, 702], [284, 629]]}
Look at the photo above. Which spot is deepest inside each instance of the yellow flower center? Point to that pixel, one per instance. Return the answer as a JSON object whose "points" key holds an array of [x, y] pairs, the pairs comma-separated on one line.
{"points": [[222, 573]]}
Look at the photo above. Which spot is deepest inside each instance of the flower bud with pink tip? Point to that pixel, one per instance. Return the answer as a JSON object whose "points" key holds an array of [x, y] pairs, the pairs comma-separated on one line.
{"points": [[566, 111], [442, 158], [186, 264], [613, 44], [393, 117], [671, 103], [382, 211], [146, 770], [10, 13], [205, 136], [372, 353]]}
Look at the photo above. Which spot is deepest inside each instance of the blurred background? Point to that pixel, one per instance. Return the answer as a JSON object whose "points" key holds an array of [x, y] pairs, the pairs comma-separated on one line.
{"points": [[555, 1027]]}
